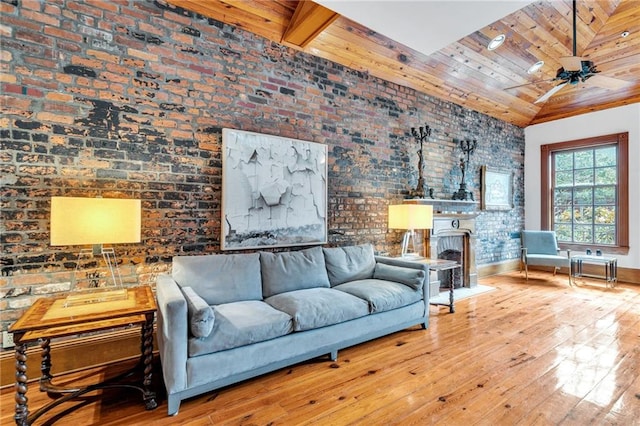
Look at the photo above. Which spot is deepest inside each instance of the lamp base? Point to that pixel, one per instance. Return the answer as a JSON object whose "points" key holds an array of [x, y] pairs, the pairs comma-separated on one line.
{"points": [[409, 238], [85, 297]]}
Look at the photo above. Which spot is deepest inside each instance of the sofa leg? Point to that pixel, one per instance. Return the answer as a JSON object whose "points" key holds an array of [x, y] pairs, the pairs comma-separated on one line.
{"points": [[173, 405], [333, 355]]}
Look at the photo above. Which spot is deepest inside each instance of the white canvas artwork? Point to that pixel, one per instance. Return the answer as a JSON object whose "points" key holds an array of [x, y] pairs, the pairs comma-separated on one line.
{"points": [[274, 191]]}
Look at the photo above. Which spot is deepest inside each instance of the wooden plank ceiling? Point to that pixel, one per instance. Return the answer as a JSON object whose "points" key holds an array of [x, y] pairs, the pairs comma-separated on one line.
{"points": [[466, 72]]}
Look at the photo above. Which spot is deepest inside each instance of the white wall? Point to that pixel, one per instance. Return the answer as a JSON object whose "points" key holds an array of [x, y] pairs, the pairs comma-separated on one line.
{"points": [[615, 120]]}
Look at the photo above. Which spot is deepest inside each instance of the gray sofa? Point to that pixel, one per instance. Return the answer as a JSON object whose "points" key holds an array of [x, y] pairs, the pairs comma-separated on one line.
{"points": [[229, 317]]}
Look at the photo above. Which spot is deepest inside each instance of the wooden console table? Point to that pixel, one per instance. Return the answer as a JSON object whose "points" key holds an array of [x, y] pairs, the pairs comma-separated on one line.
{"points": [[49, 318]]}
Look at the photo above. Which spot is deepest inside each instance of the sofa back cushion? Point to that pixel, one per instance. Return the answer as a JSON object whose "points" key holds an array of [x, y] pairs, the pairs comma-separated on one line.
{"points": [[349, 263], [220, 278], [293, 270]]}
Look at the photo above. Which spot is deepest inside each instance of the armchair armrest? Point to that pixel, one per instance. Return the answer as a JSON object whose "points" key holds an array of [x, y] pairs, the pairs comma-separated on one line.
{"points": [[172, 332]]}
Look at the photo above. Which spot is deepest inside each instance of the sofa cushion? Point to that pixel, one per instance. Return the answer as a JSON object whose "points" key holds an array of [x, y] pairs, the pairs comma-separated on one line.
{"points": [[201, 316], [349, 263], [548, 260], [381, 295], [318, 307], [293, 270], [239, 324], [413, 278], [220, 278]]}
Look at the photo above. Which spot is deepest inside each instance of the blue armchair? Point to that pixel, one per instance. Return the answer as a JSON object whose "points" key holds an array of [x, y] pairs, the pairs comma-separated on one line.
{"points": [[540, 248]]}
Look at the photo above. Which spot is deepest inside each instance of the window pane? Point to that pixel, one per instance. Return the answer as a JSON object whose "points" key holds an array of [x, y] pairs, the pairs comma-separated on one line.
{"points": [[584, 196], [584, 177], [605, 195], [563, 232], [605, 214], [583, 215], [605, 234], [563, 197], [606, 175], [563, 215], [564, 178], [564, 161], [583, 234], [606, 156], [584, 159]]}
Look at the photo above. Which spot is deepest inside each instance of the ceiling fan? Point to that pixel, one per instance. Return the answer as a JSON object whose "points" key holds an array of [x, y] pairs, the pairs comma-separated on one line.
{"points": [[576, 69]]}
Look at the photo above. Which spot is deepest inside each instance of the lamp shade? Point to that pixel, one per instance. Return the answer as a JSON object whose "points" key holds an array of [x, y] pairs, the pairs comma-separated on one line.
{"points": [[78, 221], [410, 216]]}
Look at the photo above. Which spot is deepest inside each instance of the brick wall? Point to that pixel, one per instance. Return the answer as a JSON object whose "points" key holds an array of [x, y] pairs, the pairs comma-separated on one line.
{"points": [[128, 99]]}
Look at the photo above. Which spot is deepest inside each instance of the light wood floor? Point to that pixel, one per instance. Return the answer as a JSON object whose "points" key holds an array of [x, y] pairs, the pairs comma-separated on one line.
{"points": [[526, 353]]}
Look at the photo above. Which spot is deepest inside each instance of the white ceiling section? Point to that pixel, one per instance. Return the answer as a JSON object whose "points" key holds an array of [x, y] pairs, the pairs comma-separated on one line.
{"points": [[424, 25]]}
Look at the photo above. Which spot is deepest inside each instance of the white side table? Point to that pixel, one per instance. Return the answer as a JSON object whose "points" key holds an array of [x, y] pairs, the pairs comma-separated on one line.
{"points": [[439, 265], [610, 268]]}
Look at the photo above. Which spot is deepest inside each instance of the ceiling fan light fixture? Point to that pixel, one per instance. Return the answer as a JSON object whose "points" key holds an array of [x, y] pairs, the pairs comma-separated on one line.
{"points": [[535, 67], [496, 42]]}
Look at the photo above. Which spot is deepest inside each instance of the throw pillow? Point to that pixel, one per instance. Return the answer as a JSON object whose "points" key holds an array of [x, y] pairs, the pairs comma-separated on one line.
{"points": [[413, 278], [201, 317]]}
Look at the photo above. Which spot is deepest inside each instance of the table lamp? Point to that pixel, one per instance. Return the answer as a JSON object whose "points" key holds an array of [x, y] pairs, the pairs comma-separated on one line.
{"points": [[410, 217], [96, 221]]}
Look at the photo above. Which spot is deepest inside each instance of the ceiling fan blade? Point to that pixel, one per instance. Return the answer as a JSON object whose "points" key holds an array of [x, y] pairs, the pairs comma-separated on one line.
{"points": [[530, 83], [571, 63], [608, 82], [550, 93]]}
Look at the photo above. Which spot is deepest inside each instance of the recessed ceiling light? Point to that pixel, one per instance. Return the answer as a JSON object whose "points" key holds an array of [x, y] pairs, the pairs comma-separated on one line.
{"points": [[496, 42], [625, 34], [535, 67]]}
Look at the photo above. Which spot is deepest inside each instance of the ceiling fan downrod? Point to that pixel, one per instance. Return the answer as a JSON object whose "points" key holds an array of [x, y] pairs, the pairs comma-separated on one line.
{"points": [[575, 44]]}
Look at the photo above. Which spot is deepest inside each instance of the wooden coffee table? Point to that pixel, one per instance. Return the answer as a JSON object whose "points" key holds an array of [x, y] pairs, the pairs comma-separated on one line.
{"points": [[49, 318]]}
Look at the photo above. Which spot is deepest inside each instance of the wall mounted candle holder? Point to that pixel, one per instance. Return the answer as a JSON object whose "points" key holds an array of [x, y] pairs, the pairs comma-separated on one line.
{"points": [[467, 147], [422, 190]]}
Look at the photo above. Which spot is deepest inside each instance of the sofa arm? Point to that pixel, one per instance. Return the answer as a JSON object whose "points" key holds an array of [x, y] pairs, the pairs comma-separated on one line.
{"points": [[172, 333], [413, 265]]}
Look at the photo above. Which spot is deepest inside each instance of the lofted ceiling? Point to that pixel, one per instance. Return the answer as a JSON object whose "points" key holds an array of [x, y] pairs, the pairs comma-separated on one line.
{"points": [[464, 71]]}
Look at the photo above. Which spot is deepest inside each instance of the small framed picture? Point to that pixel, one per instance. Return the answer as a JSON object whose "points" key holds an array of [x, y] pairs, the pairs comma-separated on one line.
{"points": [[497, 189]]}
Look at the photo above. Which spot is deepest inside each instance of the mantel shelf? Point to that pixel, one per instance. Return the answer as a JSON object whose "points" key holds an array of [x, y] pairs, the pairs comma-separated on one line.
{"points": [[440, 201]]}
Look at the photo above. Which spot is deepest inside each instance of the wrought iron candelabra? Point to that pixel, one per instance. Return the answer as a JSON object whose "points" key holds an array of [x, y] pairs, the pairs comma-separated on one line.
{"points": [[467, 147], [421, 135]]}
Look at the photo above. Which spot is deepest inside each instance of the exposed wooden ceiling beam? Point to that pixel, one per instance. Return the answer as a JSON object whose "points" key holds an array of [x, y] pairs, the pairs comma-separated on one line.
{"points": [[309, 20]]}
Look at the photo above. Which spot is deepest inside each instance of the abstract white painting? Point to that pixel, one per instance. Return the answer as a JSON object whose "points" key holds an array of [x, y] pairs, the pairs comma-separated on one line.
{"points": [[274, 191]]}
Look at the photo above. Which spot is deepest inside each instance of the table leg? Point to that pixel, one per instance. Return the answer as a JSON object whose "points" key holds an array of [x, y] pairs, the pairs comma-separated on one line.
{"points": [[146, 360], [22, 410], [451, 286], [45, 365]]}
